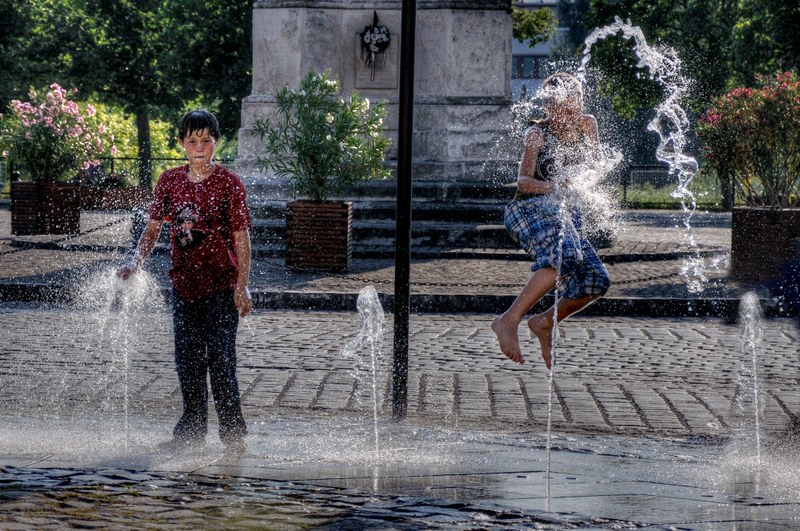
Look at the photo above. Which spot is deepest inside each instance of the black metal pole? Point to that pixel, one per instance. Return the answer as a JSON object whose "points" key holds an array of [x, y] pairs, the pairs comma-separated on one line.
{"points": [[402, 253]]}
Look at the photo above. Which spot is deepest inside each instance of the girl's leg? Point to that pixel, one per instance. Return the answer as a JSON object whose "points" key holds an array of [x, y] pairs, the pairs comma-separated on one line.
{"points": [[541, 325], [505, 327]]}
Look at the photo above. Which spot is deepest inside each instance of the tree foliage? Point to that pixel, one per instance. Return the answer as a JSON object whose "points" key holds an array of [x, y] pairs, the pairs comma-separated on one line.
{"points": [[154, 58], [32, 51], [213, 54], [532, 26], [699, 30], [765, 39], [722, 43]]}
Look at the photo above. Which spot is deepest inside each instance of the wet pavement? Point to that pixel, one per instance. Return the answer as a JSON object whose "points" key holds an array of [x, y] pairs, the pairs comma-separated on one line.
{"points": [[307, 472], [649, 414]]}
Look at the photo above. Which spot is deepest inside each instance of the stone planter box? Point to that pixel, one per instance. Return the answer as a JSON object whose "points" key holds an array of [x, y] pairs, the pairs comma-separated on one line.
{"points": [[763, 241], [95, 198], [318, 235], [45, 208]]}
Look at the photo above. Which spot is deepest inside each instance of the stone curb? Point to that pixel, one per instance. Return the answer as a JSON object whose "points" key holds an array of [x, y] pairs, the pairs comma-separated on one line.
{"points": [[725, 308], [424, 254]]}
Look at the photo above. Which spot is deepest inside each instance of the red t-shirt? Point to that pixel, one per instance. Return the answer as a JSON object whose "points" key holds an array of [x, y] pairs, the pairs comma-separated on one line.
{"points": [[203, 218]]}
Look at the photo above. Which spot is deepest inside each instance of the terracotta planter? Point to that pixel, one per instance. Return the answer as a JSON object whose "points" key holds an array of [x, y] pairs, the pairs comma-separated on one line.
{"points": [[763, 241], [45, 208], [318, 235]]}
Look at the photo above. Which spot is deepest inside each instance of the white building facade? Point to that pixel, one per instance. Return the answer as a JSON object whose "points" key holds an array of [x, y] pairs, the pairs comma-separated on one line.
{"points": [[529, 66]]}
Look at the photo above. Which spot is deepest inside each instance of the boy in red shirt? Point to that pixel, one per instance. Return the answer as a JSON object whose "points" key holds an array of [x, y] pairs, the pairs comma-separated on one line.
{"points": [[210, 223]]}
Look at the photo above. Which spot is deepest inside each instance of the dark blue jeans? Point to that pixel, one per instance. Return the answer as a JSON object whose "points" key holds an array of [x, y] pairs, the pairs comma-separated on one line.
{"points": [[205, 344]]}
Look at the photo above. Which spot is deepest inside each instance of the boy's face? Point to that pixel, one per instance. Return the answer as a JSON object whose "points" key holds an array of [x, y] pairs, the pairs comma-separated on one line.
{"points": [[199, 147]]}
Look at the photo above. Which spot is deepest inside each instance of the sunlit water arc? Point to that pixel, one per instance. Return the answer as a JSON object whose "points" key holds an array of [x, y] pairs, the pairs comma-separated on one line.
{"points": [[670, 122]]}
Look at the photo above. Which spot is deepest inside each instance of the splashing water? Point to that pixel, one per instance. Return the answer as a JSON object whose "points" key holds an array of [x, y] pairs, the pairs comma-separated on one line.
{"points": [[581, 185], [669, 122], [585, 185], [117, 305], [371, 334], [747, 401]]}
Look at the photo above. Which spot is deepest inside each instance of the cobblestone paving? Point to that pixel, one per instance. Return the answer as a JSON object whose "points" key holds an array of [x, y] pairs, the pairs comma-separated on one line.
{"points": [[619, 376]]}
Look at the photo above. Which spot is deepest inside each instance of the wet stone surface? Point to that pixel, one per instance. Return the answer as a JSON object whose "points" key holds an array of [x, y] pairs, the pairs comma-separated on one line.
{"points": [[309, 473], [182, 502], [54, 499]]}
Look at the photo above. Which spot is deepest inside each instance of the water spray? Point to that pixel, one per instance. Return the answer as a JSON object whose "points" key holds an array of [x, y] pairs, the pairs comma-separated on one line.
{"points": [[669, 122]]}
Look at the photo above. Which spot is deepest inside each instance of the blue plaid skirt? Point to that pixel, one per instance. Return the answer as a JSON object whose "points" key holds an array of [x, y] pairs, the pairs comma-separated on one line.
{"points": [[536, 224]]}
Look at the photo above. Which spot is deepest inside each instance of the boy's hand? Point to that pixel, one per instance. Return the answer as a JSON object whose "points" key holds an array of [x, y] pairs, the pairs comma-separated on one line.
{"points": [[243, 300], [126, 271]]}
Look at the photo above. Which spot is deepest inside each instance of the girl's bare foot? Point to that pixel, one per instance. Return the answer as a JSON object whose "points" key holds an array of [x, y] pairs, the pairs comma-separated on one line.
{"points": [[507, 336], [542, 328]]}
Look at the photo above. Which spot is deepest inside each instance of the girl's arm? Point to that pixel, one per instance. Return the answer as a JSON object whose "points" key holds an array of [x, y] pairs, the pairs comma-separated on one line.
{"points": [[526, 182]]}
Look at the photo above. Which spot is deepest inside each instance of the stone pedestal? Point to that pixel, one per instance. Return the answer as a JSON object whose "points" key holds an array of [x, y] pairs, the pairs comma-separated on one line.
{"points": [[462, 95]]}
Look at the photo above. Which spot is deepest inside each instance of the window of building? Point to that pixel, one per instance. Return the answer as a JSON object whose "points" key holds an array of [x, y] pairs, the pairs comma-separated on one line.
{"points": [[528, 66]]}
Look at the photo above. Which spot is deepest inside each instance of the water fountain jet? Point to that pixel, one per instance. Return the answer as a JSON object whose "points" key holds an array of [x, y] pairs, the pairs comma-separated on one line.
{"points": [[117, 303], [370, 335]]}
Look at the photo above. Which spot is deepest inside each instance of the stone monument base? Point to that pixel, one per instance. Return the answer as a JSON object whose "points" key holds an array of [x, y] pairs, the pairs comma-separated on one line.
{"points": [[462, 63]]}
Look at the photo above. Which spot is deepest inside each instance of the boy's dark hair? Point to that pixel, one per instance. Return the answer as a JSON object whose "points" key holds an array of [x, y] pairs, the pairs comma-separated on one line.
{"points": [[197, 121]]}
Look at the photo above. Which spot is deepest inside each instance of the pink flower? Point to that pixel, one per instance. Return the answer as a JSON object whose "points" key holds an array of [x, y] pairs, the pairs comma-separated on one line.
{"points": [[52, 120], [754, 131], [57, 93]]}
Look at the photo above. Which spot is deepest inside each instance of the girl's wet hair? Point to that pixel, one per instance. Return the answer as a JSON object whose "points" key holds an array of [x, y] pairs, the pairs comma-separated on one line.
{"points": [[562, 85], [197, 121]]}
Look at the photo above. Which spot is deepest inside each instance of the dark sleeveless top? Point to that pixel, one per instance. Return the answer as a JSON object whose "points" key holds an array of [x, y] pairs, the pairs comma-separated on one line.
{"points": [[553, 156]]}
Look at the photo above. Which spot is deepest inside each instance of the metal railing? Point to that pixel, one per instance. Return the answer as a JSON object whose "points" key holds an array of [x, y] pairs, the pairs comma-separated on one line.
{"points": [[640, 187], [112, 171], [650, 186], [125, 170]]}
